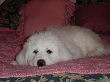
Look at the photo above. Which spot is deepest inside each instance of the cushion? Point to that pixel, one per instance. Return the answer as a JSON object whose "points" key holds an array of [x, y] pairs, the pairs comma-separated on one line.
{"points": [[39, 14], [95, 17]]}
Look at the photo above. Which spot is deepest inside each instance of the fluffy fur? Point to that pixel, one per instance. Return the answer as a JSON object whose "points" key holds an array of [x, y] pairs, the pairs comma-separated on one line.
{"points": [[60, 44]]}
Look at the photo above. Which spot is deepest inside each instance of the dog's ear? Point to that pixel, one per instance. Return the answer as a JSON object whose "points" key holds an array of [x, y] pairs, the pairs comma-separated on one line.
{"points": [[21, 58]]}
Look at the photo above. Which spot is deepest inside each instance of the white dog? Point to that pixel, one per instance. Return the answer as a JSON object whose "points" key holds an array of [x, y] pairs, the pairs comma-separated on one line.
{"points": [[60, 44]]}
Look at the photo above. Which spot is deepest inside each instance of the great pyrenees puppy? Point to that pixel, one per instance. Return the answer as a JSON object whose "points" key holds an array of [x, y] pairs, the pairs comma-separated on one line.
{"points": [[60, 44]]}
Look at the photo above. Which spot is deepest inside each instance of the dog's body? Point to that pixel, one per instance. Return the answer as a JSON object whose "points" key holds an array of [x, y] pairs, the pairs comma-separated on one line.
{"points": [[61, 44]]}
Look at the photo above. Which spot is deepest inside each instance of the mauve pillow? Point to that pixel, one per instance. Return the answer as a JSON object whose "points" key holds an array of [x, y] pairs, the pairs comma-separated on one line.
{"points": [[39, 14], [95, 17]]}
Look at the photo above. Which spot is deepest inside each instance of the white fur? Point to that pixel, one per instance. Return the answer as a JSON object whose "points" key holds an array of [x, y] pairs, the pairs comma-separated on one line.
{"points": [[66, 43]]}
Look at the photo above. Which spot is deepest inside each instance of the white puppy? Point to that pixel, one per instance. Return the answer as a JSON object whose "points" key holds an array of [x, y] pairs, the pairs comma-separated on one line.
{"points": [[60, 44]]}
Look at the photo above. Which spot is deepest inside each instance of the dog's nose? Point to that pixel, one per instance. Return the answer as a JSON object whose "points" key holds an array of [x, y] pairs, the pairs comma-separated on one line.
{"points": [[40, 63]]}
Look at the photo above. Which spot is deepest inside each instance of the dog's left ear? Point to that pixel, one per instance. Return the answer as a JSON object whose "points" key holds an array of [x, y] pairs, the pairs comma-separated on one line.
{"points": [[21, 58]]}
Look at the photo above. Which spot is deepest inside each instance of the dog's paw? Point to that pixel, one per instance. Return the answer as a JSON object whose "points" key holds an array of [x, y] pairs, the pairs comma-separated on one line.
{"points": [[14, 63]]}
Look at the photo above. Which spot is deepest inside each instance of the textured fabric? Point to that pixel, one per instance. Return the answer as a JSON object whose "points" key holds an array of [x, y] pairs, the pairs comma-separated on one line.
{"points": [[10, 45], [39, 14], [61, 77], [9, 17], [95, 17]]}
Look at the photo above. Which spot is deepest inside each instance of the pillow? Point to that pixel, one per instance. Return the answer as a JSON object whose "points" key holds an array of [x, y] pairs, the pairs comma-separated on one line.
{"points": [[39, 14], [95, 17]]}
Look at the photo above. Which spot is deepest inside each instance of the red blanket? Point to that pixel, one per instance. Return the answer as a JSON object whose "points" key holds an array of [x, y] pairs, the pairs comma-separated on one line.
{"points": [[10, 45]]}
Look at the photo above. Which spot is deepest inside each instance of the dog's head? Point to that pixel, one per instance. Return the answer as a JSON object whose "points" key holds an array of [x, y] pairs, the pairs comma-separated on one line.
{"points": [[44, 49]]}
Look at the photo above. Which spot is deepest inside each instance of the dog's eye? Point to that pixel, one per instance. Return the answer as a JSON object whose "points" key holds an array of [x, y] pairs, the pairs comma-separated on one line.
{"points": [[49, 51], [35, 51]]}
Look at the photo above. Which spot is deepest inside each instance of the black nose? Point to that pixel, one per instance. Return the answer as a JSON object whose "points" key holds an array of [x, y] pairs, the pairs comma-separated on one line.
{"points": [[40, 63]]}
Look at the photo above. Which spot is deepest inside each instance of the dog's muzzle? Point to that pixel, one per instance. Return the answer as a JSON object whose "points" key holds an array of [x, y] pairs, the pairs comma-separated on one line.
{"points": [[40, 63]]}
